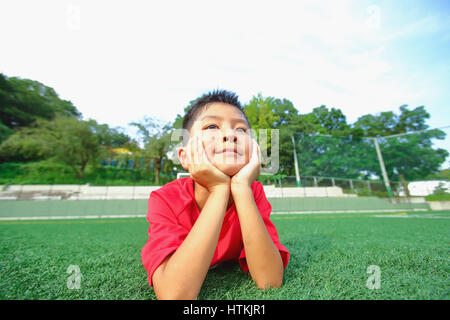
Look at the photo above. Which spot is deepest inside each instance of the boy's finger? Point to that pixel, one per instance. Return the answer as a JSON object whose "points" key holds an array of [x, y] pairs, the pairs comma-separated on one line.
{"points": [[200, 150], [255, 151], [258, 151], [205, 158], [189, 152], [195, 151]]}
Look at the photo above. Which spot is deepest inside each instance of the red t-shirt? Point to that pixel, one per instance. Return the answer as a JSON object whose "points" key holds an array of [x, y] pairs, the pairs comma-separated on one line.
{"points": [[172, 212]]}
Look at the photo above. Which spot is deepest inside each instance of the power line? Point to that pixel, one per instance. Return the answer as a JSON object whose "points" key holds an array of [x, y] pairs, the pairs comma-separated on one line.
{"points": [[381, 137], [407, 133]]}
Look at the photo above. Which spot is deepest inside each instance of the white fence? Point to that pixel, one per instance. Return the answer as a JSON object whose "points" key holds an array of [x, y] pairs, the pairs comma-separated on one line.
{"points": [[87, 192]]}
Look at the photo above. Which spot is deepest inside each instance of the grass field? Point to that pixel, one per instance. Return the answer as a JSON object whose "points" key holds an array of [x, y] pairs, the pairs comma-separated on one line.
{"points": [[330, 254]]}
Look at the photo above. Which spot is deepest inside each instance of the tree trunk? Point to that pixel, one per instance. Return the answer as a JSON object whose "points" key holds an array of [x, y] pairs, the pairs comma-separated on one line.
{"points": [[404, 184], [157, 166], [80, 174], [157, 177]]}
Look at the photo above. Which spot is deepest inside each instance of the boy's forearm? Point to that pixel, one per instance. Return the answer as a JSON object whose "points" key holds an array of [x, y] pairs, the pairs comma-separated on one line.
{"points": [[186, 269], [263, 257]]}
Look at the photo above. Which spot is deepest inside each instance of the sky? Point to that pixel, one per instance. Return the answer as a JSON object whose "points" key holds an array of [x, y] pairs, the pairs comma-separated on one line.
{"points": [[119, 61]]}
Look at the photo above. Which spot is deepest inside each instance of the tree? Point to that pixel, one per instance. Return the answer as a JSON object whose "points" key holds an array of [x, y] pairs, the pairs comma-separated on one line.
{"points": [[329, 121], [408, 157], [27, 144], [275, 113], [112, 137], [75, 143], [64, 139], [22, 101], [332, 148], [339, 149], [259, 112], [289, 122], [4, 131], [156, 137]]}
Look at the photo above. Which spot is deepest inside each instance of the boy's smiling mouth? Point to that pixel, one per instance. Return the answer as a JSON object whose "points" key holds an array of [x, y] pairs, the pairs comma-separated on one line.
{"points": [[228, 150]]}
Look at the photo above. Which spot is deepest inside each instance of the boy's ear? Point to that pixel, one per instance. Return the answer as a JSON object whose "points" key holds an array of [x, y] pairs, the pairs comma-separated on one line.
{"points": [[182, 156]]}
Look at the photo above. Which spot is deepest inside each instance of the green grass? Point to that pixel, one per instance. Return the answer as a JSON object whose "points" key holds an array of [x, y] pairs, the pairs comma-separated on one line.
{"points": [[330, 254], [438, 197]]}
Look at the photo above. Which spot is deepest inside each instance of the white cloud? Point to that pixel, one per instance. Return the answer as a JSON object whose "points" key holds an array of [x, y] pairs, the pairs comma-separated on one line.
{"points": [[130, 59]]}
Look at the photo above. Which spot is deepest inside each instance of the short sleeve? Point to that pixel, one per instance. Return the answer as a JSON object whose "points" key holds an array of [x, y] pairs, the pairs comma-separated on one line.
{"points": [[265, 208], [165, 234]]}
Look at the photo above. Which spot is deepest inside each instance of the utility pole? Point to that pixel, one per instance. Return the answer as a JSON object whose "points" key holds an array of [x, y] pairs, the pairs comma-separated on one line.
{"points": [[297, 175], [383, 168]]}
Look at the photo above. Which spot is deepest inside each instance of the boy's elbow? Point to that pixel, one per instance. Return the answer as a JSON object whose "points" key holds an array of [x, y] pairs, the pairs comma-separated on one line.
{"points": [[169, 293], [267, 279], [176, 295]]}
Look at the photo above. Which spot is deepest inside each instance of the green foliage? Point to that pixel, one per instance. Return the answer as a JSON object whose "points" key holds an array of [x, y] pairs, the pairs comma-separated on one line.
{"points": [[156, 137], [441, 175], [271, 179], [4, 131], [23, 101], [438, 197], [413, 155], [26, 144], [346, 152], [329, 121], [260, 112], [409, 157], [270, 112], [55, 172], [35, 125], [328, 146], [73, 142], [112, 137], [42, 172]]}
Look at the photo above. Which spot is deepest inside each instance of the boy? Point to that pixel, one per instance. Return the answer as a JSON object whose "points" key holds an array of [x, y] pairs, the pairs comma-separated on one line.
{"points": [[219, 213]]}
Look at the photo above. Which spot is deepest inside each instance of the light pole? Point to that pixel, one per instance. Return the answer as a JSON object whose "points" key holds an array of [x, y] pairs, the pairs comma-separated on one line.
{"points": [[297, 175], [383, 168]]}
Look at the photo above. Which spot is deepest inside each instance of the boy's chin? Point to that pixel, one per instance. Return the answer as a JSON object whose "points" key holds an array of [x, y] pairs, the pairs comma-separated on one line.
{"points": [[229, 169]]}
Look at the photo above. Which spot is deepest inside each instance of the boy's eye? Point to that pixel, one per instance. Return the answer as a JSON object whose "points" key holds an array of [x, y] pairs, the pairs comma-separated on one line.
{"points": [[242, 129], [211, 126]]}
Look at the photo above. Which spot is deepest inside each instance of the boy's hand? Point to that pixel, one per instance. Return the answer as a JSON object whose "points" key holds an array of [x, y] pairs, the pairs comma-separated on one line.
{"points": [[201, 169], [251, 171]]}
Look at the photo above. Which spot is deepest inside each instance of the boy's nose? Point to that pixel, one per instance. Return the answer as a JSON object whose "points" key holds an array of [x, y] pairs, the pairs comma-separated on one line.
{"points": [[230, 136]]}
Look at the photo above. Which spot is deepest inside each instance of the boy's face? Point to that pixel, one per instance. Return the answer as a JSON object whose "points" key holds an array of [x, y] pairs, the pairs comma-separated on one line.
{"points": [[225, 135]]}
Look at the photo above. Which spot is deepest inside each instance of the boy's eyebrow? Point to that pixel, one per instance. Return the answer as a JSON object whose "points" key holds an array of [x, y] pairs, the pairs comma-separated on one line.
{"points": [[220, 118]]}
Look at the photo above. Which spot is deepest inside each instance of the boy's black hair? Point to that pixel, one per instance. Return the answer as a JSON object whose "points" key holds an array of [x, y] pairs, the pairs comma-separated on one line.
{"points": [[223, 96]]}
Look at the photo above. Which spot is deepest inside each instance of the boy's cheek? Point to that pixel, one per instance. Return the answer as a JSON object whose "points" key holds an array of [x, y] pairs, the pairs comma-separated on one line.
{"points": [[209, 145]]}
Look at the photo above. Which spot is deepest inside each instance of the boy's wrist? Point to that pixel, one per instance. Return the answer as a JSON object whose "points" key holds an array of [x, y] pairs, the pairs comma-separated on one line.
{"points": [[220, 188], [237, 188]]}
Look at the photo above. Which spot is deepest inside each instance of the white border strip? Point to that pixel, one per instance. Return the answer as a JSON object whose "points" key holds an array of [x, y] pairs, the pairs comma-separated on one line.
{"points": [[144, 216], [73, 217], [346, 211]]}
